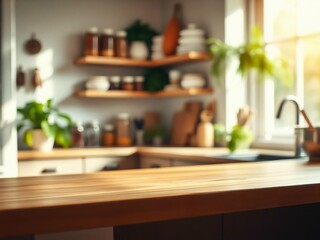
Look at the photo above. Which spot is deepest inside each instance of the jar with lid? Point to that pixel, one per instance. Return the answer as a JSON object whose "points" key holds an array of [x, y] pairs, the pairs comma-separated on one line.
{"points": [[128, 83], [107, 41], [121, 44], [77, 134], [91, 42], [115, 83], [109, 136], [139, 83], [123, 129], [92, 134]]}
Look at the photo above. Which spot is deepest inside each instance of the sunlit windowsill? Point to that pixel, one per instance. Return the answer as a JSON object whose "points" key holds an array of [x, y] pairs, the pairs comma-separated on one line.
{"points": [[277, 144]]}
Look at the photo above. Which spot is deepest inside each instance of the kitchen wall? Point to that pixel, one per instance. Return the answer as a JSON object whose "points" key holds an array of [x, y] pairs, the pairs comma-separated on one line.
{"points": [[60, 25]]}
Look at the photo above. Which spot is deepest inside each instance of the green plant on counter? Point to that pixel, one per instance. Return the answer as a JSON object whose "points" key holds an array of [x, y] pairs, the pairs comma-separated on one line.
{"points": [[37, 115], [239, 137], [254, 55], [139, 31]]}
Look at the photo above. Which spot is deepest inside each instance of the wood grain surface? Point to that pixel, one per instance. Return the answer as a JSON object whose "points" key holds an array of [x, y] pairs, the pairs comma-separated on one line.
{"points": [[61, 203]]}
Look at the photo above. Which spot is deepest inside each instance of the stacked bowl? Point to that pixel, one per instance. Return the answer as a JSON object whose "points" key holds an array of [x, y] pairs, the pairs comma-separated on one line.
{"points": [[156, 48], [191, 39]]}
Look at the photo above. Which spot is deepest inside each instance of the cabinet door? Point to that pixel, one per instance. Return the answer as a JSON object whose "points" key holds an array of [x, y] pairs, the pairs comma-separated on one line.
{"points": [[110, 163], [151, 162], [88, 234], [50, 167]]}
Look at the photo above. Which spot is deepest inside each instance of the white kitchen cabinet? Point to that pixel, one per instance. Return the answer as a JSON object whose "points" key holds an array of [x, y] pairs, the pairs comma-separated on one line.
{"points": [[98, 164], [50, 167], [154, 162]]}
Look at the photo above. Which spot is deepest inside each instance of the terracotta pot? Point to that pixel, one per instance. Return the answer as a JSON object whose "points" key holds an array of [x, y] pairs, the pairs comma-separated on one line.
{"points": [[41, 142]]}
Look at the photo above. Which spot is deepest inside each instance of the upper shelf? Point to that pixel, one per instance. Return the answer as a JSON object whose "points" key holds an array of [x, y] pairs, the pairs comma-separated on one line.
{"points": [[114, 61], [142, 94]]}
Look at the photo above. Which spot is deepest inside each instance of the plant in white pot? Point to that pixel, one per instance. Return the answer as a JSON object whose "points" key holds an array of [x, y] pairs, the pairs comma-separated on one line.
{"points": [[43, 125], [140, 36]]}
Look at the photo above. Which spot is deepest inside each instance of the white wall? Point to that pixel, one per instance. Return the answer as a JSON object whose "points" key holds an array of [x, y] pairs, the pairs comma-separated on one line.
{"points": [[8, 143], [60, 25]]}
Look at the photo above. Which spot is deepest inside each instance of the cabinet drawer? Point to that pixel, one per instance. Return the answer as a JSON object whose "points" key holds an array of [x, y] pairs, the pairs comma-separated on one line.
{"points": [[109, 163], [50, 167], [150, 162]]}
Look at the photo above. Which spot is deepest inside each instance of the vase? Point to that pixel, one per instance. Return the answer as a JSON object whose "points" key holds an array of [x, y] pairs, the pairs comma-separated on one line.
{"points": [[139, 50], [41, 142]]}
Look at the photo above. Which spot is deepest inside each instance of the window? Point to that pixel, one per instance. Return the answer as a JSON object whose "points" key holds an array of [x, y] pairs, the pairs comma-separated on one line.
{"points": [[292, 27]]}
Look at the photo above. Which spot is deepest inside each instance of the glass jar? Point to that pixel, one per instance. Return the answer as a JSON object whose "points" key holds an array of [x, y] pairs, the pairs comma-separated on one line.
{"points": [[91, 42], [123, 137], [139, 83], [115, 83], [121, 44], [107, 43], [77, 134], [128, 83], [92, 134], [109, 136]]}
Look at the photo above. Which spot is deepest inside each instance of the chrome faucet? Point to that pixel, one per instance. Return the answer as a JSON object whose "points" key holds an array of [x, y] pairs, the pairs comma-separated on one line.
{"points": [[293, 99], [299, 152]]}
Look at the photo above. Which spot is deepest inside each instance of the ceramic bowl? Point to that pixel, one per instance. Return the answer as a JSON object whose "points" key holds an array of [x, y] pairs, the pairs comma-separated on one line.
{"points": [[193, 80], [98, 83]]}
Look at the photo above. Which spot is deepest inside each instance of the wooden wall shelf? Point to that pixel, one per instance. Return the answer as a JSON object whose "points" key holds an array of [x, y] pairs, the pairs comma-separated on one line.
{"points": [[127, 62], [140, 94]]}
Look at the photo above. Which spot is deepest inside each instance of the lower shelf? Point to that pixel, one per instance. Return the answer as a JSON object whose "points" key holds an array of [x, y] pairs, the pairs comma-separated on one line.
{"points": [[142, 94]]}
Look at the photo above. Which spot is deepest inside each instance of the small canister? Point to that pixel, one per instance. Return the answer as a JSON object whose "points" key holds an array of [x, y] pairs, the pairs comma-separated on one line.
{"points": [[121, 44], [128, 83], [77, 134], [91, 42], [92, 134], [123, 136], [109, 137], [107, 43], [115, 83], [139, 83]]}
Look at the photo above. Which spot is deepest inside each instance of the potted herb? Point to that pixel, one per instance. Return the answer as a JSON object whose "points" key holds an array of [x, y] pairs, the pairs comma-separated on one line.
{"points": [[139, 36], [43, 125], [253, 55], [155, 134]]}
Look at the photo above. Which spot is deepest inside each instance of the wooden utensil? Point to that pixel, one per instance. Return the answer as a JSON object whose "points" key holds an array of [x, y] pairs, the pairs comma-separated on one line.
{"points": [[171, 34], [151, 119]]}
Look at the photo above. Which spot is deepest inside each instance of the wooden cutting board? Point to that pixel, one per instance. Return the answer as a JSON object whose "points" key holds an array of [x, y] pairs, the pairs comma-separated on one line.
{"points": [[182, 127]]}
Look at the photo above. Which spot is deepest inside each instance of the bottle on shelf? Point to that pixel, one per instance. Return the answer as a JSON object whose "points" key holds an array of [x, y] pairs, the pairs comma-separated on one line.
{"points": [[121, 45], [128, 83], [123, 130], [77, 134], [109, 136], [139, 83], [107, 43], [92, 134], [91, 42], [115, 83]]}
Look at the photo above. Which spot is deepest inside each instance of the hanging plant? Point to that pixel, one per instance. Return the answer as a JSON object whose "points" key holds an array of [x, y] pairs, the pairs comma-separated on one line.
{"points": [[252, 56]]}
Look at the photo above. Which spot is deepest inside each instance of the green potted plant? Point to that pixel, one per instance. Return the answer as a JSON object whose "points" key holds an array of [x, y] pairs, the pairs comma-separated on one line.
{"points": [[43, 125], [155, 135], [139, 36], [253, 55]]}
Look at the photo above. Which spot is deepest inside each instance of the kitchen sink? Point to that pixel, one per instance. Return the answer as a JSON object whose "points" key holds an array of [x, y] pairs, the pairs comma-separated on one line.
{"points": [[250, 157]]}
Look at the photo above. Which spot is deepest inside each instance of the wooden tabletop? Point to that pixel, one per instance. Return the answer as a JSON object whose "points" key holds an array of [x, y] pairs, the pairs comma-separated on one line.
{"points": [[61, 203]]}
